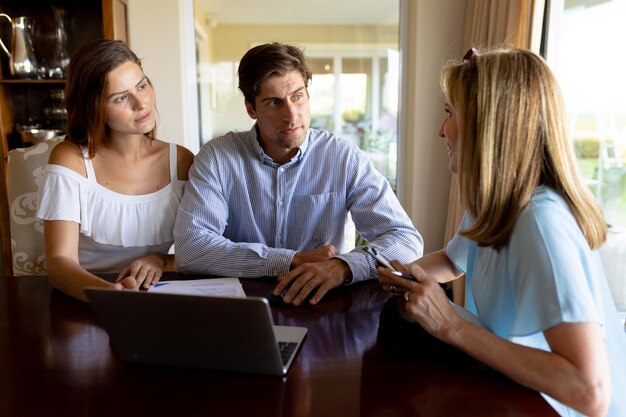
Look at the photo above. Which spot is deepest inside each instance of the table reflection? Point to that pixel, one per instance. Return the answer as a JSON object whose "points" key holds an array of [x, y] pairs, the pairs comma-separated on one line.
{"points": [[409, 372], [359, 359]]}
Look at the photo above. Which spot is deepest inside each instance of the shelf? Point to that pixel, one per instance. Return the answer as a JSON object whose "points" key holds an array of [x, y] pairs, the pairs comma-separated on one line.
{"points": [[30, 82], [22, 100]]}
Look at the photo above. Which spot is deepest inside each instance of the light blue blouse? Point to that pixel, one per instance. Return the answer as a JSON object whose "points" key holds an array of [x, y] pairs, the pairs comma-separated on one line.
{"points": [[546, 275]]}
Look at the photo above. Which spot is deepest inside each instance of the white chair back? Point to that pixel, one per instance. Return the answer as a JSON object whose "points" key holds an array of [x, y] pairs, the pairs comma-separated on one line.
{"points": [[25, 171]]}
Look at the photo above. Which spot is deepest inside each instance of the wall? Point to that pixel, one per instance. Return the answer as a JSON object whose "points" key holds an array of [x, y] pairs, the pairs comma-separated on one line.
{"points": [[159, 31], [241, 37], [434, 34]]}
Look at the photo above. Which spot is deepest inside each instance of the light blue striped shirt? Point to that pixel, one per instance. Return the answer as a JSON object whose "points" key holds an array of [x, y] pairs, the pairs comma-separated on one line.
{"points": [[243, 215]]}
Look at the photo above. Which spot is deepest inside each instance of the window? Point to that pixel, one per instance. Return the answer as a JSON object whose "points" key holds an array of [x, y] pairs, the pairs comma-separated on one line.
{"points": [[355, 95], [353, 47], [585, 52]]}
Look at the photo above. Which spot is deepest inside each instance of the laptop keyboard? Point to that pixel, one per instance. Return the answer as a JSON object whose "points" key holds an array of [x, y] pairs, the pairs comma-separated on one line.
{"points": [[286, 350]]}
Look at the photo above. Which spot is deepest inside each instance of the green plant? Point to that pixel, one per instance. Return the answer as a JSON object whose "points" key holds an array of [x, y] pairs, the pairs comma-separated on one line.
{"points": [[353, 116]]}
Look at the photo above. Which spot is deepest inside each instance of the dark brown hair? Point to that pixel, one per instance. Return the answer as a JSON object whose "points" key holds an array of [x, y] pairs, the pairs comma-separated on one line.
{"points": [[270, 60], [85, 91]]}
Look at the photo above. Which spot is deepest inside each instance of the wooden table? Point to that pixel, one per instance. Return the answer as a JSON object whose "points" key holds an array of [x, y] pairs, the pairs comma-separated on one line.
{"points": [[359, 359]]}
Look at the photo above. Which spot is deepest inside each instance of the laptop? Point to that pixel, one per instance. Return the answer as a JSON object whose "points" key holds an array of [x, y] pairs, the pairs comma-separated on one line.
{"points": [[195, 331]]}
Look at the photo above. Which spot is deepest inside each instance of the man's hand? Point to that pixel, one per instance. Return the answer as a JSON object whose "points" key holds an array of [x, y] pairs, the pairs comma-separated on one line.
{"points": [[307, 277], [320, 254]]}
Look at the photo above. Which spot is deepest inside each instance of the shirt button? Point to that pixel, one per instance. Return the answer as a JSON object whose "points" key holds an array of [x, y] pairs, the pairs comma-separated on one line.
{"points": [[280, 203], [281, 169]]}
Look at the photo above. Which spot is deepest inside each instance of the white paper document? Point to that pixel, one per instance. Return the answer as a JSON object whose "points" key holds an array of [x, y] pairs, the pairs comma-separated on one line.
{"points": [[221, 287]]}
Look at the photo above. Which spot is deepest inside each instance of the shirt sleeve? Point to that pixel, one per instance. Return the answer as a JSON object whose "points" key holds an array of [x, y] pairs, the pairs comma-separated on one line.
{"points": [[379, 218], [58, 195], [200, 224], [457, 248], [552, 271]]}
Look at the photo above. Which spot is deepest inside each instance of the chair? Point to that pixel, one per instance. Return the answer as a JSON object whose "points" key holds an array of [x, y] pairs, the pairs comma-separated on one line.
{"points": [[25, 170]]}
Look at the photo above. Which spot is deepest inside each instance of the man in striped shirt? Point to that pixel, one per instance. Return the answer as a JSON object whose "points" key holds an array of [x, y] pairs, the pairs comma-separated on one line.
{"points": [[274, 201]]}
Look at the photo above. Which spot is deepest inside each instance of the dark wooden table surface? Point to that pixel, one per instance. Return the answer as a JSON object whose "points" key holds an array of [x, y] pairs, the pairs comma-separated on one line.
{"points": [[359, 359]]}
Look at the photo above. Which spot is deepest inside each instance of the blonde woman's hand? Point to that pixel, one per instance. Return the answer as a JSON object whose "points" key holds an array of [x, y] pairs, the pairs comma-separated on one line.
{"points": [[392, 283], [429, 305], [145, 271], [426, 302]]}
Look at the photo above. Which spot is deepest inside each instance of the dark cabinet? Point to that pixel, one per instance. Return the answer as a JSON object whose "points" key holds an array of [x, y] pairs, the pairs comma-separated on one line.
{"points": [[22, 99], [34, 99]]}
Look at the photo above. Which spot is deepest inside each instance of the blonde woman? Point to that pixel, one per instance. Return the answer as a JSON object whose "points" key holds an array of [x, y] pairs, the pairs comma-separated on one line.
{"points": [[526, 242]]}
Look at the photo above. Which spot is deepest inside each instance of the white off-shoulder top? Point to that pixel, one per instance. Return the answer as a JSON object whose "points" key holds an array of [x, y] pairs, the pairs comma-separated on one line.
{"points": [[115, 229]]}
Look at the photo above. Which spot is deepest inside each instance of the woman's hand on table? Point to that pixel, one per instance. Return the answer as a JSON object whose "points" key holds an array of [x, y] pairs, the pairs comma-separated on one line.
{"points": [[144, 272]]}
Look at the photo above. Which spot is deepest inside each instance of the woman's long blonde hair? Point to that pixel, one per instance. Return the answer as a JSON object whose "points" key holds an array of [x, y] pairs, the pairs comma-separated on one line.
{"points": [[512, 137]]}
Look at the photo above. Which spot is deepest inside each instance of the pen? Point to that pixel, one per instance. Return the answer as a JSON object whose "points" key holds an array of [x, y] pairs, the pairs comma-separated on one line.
{"points": [[404, 275]]}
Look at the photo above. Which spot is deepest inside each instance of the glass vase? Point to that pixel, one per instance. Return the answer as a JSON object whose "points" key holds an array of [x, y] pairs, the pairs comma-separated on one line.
{"points": [[57, 65]]}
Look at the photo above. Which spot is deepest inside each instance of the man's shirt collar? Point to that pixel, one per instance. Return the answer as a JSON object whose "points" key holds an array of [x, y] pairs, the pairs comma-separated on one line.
{"points": [[265, 158]]}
